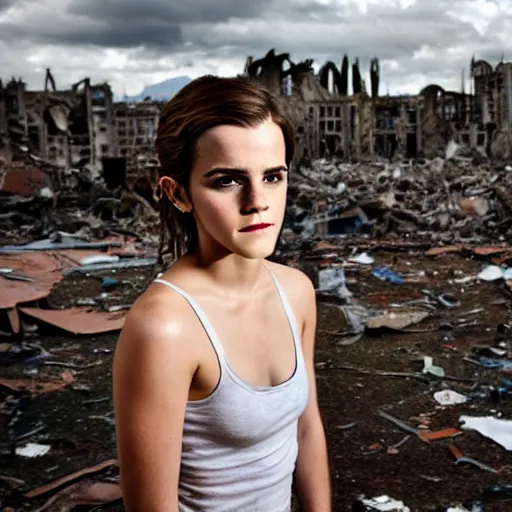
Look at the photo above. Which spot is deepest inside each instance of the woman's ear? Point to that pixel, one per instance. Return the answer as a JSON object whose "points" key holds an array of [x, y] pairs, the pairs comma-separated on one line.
{"points": [[175, 193]]}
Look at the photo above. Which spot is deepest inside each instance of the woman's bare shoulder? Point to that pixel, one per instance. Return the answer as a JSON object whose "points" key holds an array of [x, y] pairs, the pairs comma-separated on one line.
{"points": [[298, 288], [160, 314], [155, 348], [294, 281]]}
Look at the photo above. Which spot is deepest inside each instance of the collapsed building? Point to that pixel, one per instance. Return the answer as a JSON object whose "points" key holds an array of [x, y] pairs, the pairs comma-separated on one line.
{"points": [[84, 131], [330, 120], [80, 130]]}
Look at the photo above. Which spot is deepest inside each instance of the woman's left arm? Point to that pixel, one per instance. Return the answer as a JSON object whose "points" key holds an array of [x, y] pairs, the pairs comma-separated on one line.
{"points": [[312, 471]]}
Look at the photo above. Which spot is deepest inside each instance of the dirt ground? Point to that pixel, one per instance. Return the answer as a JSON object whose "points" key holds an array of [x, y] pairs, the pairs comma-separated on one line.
{"points": [[78, 424]]}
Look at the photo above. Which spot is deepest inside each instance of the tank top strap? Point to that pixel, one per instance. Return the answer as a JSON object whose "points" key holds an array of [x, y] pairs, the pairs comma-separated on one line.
{"points": [[208, 327], [288, 310]]}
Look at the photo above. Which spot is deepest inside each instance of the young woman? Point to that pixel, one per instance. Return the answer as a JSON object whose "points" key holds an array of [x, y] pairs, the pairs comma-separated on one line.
{"points": [[214, 381]]}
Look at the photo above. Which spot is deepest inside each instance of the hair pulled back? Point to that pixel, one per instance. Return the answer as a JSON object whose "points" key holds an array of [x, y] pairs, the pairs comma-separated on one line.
{"points": [[204, 103]]}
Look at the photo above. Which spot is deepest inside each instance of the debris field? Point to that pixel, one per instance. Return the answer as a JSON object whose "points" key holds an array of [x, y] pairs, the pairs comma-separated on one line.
{"points": [[414, 354]]}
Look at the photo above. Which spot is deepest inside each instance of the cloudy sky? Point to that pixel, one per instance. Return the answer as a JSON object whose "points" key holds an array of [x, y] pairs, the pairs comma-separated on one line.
{"points": [[133, 43]]}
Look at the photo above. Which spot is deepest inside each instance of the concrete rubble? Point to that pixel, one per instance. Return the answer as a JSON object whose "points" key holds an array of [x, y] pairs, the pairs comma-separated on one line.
{"points": [[411, 261], [444, 201]]}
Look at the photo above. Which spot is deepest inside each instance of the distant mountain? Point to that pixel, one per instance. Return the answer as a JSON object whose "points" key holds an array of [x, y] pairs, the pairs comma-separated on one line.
{"points": [[162, 91]]}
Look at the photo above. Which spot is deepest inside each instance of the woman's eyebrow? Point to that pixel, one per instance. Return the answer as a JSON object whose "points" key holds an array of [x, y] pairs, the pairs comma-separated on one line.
{"points": [[242, 172]]}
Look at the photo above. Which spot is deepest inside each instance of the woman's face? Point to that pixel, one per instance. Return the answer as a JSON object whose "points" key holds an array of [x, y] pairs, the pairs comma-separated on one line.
{"points": [[239, 180]]}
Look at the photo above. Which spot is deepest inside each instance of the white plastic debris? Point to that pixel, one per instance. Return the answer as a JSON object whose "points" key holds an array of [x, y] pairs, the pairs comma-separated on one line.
{"points": [[308, 227], [31, 450], [491, 273], [99, 258], [397, 319], [364, 259], [498, 430], [342, 187], [451, 149], [450, 397], [46, 192], [385, 504], [333, 280], [429, 367]]}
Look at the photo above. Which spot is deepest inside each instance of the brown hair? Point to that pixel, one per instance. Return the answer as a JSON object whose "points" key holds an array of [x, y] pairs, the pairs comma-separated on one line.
{"points": [[204, 103]]}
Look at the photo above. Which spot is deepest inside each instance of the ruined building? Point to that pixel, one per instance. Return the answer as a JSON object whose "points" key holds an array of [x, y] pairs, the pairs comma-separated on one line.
{"points": [[65, 129], [80, 129], [83, 129], [493, 104], [135, 127], [352, 122]]}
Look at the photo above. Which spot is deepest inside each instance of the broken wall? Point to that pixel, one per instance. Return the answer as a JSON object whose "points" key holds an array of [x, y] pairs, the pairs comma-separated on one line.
{"points": [[135, 126], [421, 125]]}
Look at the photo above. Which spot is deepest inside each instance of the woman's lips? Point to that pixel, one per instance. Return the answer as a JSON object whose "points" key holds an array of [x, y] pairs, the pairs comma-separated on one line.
{"points": [[255, 227]]}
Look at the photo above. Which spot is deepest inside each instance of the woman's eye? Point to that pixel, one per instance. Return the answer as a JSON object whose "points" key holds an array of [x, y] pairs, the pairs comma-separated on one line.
{"points": [[225, 181], [274, 178]]}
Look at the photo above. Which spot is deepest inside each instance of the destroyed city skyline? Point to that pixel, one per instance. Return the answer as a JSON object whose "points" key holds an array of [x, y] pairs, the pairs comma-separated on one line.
{"points": [[131, 46], [398, 210], [336, 112]]}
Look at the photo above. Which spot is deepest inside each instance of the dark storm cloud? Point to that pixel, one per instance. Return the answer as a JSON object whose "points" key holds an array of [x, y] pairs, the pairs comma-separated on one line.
{"points": [[386, 31], [424, 42], [372, 37], [151, 33], [179, 11], [5, 4], [130, 23]]}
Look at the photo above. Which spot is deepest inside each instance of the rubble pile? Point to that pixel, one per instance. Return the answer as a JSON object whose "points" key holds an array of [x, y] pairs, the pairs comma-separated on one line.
{"points": [[33, 206], [414, 337], [443, 200]]}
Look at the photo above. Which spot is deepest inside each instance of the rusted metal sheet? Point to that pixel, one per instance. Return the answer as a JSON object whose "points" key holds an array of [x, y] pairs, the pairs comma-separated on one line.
{"points": [[78, 320], [14, 320], [38, 387], [436, 251], [490, 251], [45, 268], [446, 433], [24, 181], [45, 489], [478, 251]]}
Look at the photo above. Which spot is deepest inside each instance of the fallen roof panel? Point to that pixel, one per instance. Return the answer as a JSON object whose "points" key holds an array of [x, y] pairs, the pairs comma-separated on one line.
{"points": [[78, 320], [44, 268]]}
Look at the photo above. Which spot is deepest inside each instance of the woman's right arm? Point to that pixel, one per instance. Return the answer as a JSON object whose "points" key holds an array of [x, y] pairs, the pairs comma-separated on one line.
{"points": [[152, 373]]}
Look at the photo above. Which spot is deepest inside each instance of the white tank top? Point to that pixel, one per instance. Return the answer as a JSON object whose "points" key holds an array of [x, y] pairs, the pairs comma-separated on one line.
{"points": [[240, 443]]}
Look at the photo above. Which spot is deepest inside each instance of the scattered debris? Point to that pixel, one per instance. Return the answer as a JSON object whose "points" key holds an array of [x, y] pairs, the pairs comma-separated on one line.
{"points": [[452, 201], [450, 397], [45, 489], [363, 258], [397, 320], [85, 492], [429, 367], [403, 256], [424, 435], [386, 274], [499, 430], [31, 450], [460, 459], [381, 503], [494, 273], [78, 320], [36, 387]]}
